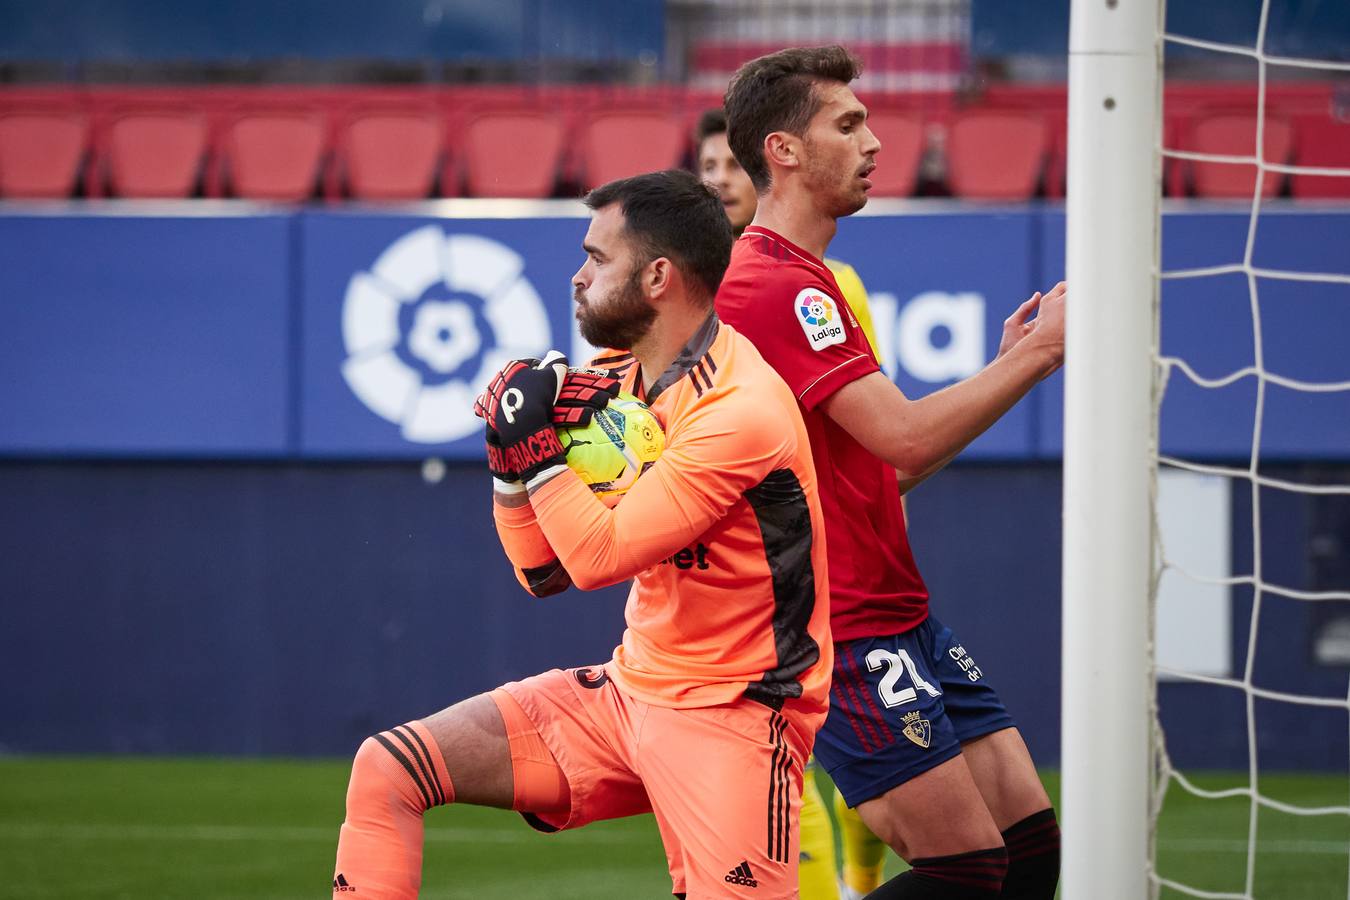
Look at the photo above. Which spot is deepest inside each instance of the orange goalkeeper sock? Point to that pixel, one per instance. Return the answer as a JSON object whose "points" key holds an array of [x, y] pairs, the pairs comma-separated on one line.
{"points": [[396, 777]]}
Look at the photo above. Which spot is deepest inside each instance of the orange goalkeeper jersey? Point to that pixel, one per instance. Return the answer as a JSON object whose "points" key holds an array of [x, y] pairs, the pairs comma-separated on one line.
{"points": [[723, 537]]}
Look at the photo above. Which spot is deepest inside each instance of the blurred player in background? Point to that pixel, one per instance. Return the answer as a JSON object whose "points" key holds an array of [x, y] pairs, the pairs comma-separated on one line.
{"points": [[916, 739], [706, 713], [864, 854]]}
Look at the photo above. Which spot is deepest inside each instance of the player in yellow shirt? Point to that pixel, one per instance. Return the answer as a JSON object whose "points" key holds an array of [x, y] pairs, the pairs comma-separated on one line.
{"points": [[863, 852]]}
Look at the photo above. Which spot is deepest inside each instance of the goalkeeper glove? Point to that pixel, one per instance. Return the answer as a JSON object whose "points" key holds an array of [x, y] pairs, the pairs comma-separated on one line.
{"points": [[518, 409], [584, 391]]}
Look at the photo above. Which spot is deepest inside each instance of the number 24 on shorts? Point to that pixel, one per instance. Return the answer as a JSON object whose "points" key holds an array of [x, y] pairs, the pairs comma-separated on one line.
{"points": [[897, 663]]}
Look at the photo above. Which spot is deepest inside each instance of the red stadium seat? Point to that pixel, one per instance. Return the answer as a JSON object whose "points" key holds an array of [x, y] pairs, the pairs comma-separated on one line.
{"points": [[902, 146], [1325, 143], [155, 154], [617, 145], [40, 153], [996, 155], [391, 155], [274, 155], [1235, 135], [513, 154]]}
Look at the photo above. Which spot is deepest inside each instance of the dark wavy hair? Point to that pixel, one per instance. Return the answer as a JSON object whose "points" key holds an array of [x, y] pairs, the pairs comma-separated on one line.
{"points": [[778, 93]]}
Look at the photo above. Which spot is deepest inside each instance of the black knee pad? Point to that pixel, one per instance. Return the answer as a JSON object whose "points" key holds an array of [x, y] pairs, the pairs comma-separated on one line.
{"points": [[1033, 857], [977, 875]]}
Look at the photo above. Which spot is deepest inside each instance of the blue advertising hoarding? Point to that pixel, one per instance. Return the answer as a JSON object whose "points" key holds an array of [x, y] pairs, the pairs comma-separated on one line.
{"points": [[365, 333], [941, 279], [145, 335]]}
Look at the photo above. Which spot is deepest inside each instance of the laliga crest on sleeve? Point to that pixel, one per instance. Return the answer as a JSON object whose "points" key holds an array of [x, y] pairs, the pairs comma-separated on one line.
{"points": [[430, 322], [819, 318]]}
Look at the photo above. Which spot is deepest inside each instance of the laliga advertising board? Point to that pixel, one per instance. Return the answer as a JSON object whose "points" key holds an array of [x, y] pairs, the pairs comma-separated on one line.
{"points": [[405, 318], [360, 333]]}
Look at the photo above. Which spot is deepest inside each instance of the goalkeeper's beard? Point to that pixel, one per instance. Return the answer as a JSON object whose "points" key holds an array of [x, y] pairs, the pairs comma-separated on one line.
{"points": [[617, 321]]}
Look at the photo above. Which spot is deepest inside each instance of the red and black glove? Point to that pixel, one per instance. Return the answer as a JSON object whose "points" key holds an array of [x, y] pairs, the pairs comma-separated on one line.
{"points": [[517, 408], [583, 392], [496, 458]]}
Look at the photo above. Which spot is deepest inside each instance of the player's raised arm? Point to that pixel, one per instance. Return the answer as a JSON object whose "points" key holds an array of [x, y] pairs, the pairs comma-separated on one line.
{"points": [[919, 436]]}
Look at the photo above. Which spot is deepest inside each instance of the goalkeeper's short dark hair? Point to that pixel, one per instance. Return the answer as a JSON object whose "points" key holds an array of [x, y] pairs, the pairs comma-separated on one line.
{"points": [[778, 93], [675, 215]]}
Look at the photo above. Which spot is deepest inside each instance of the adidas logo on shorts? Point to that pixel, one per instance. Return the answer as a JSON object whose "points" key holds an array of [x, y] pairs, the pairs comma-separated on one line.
{"points": [[742, 875], [340, 884]]}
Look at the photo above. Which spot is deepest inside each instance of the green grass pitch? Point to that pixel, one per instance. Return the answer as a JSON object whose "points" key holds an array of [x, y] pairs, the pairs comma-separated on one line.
{"points": [[138, 827]]}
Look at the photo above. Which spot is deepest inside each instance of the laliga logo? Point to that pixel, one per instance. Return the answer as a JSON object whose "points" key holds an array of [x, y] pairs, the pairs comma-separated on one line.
{"points": [[815, 312], [414, 328], [818, 310]]}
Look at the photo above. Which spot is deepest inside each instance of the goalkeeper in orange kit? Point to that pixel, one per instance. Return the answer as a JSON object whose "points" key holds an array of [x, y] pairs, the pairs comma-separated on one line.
{"points": [[707, 710]]}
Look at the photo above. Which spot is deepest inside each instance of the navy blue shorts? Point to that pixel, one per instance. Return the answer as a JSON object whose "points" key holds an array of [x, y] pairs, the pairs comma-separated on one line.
{"points": [[901, 705]]}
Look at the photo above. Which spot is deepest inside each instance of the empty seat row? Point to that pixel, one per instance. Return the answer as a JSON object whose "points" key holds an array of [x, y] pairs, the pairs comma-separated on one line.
{"points": [[393, 154], [408, 153], [403, 155]]}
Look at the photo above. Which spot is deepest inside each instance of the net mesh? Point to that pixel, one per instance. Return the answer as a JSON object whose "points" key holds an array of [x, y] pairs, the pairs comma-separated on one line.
{"points": [[1272, 838]]}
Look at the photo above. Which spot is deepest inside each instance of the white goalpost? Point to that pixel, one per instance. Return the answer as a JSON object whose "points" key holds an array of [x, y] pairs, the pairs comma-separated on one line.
{"points": [[1109, 427], [1115, 760]]}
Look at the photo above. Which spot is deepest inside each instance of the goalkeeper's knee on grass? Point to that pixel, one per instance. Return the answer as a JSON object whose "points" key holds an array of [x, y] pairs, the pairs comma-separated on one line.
{"points": [[397, 776]]}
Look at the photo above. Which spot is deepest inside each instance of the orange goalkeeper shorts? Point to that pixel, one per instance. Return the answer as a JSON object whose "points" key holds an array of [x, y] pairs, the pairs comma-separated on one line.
{"points": [[724, 782]]}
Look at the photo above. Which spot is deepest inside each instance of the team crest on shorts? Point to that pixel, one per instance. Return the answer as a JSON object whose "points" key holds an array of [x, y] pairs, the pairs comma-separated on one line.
{"points": [[918, 729]]}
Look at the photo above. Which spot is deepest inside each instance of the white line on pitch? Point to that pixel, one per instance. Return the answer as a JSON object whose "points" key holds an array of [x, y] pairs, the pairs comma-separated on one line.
{"points": [[467, 836], [1217, 845]]}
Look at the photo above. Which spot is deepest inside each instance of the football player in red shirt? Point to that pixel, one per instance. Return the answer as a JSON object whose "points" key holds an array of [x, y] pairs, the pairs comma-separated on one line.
{"points": [[863, 855], [916, 738]]}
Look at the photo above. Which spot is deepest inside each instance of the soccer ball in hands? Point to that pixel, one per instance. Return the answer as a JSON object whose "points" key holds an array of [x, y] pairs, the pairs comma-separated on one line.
{"points": [[619, 444]]}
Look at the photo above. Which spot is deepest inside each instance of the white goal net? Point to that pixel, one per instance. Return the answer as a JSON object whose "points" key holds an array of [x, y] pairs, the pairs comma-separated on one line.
{"points": [[1215, 615], [1266, 832]]}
